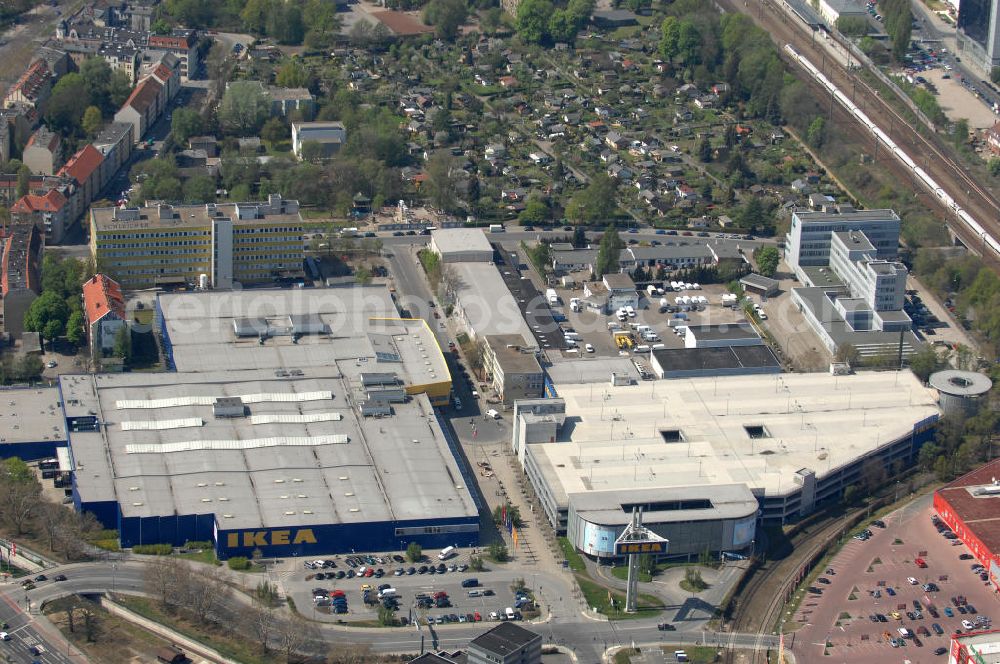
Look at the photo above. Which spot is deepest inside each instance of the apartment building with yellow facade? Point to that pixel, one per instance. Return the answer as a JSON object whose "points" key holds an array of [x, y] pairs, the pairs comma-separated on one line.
{"points": [[230, 243]]}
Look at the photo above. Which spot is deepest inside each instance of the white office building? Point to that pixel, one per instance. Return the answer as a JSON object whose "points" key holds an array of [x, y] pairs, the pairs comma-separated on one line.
{"points": [[809, 239]]}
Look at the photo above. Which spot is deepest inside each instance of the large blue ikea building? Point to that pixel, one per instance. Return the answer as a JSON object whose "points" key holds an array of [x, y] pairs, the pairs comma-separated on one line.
{"points": [[299, 464]]}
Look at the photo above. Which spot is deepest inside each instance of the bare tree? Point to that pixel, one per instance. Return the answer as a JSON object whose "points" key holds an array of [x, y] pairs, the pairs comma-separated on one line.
{"points": [[20, 500], [260, 616], [294, 634], [353, 653], [91, 622], [160, 578]]}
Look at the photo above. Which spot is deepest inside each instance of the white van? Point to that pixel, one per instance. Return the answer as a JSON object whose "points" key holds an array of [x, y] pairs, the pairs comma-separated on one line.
{"points": [[386, 592], [492, 413], [630, 311], [446, 553], [680, 656], [509, 613]]}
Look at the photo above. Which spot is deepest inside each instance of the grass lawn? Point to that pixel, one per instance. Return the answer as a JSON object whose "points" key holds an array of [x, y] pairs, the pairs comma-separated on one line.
{"points": [[575, 559], [206, 556], [621, 572], [225, 641], [612, 603]]}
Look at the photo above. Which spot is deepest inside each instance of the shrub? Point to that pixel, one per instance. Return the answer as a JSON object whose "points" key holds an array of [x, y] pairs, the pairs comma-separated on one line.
{"points": [[196, 544], [153, 549], [239, 563]]}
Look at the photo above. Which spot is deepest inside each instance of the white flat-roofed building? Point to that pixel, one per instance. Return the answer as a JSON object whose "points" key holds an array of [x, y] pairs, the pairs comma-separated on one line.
{"points": [[808, 242], [793, 440], [484, 304], [457, 245], [355, 329]]}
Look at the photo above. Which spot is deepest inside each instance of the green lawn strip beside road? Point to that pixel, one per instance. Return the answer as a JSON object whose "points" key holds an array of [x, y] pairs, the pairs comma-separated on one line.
{"points": [[227, 643], [575, 559], [612, 603]]}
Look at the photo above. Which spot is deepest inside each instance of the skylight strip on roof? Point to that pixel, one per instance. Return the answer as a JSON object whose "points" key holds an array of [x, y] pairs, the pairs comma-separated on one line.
{"points": [[295, 418], [235, 445], [156, 425]]}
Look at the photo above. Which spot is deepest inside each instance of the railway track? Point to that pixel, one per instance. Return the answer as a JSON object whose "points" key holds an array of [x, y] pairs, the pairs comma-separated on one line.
{"points": [[978, 200]]}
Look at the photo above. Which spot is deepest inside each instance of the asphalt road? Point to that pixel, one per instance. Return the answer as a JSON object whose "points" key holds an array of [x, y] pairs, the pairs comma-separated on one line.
{"points": [[588, 637]]}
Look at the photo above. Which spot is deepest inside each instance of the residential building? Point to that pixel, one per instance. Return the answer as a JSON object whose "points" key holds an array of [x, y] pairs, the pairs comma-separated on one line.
{"points": [[979, 34], [104, 309], [512, 367], [184, 45], [20, 280], [56, 59], [566, 258], [43, 152], [285, 101], [142, 108], [231, 243], [330, 135], [114, 142], [808, 241], [507, 643], [121, 57], [50, 211], [86, 168], [33, 88]]}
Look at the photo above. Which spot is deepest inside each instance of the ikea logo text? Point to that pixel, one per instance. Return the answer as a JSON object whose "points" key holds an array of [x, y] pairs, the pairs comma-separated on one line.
{"points": [[643, 547], [270, 538]]}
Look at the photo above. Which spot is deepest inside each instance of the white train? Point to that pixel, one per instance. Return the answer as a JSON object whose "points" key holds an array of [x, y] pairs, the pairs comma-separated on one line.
{"points": [[918, 172]]}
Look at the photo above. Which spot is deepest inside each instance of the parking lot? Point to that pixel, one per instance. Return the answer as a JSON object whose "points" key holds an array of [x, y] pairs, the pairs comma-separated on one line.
{"points": [[873, 588], [483, 593], [592, 326]]}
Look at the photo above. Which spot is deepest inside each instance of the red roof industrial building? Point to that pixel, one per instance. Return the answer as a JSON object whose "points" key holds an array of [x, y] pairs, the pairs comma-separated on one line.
{"points": [[970, 506]]}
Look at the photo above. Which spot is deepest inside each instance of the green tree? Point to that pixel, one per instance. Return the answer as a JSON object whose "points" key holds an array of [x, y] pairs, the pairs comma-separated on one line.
{"points": [[75, 334], [535, 212], [119, 89], [994, 165], [441, 183], [363, 275], [497, 552], [960, 132], [753, 215], [96, 74], [23, 180], [705, 150], [275, 131], [199, 189], [533, 20], [609, 253], [513, 513], [447, 17], [185, 123], [767, 260], [579, 237], [92, 121], [995, 75], [123, 343], [47, 315], [670, 32], [561, 26], [596, 203], [66, 104], [27, 368], [924, 362], [816, 134], [244, 108], [491, 19], [292, 74], [414, 552], [312, 151]]}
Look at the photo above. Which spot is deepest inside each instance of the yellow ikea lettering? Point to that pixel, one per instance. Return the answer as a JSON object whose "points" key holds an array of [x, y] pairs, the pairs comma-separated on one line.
{"points": [[258, 538], [304, 536]]}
